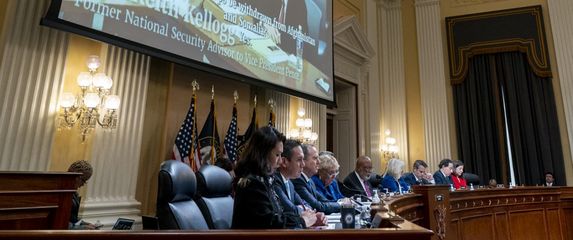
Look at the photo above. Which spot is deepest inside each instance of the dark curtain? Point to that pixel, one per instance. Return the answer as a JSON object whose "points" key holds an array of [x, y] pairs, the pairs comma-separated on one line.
{"points": [[506, 79], [532, 119], [476, 121]]}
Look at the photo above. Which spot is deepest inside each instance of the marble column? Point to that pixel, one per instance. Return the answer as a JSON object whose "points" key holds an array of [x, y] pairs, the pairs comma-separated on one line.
{"points": [[561, 21], [281, 109], [115, 153], [393, 82], [433, 81], [31, 77]]}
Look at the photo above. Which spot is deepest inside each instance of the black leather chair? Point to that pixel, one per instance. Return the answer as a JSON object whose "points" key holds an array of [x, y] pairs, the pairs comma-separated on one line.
{"points": [[214, 200], [472, 178], [176, 208]]}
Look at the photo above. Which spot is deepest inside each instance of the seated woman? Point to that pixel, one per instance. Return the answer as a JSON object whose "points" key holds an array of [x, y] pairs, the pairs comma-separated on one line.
{"points": [[325, 179], [392, 177], [85, 168], [457, 175], [256, 203]]}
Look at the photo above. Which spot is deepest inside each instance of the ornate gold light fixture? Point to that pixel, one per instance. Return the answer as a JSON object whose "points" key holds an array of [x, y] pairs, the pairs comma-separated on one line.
{"points": [[303, 131], [93, 100], [389, 149]]}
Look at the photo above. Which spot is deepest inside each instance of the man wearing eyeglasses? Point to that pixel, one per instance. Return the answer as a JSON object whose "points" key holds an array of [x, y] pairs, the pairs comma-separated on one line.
{"points": [[306, 188], [357, 181]]}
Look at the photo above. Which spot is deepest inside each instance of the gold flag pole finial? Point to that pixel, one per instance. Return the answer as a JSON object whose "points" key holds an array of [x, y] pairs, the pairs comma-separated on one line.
{"points": [[195, 85], [255, 101], [272, 103], [235, 96], [212, 92]]}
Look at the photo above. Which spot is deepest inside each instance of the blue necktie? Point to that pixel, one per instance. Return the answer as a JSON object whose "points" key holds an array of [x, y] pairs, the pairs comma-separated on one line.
{"points": [[287, 185]]}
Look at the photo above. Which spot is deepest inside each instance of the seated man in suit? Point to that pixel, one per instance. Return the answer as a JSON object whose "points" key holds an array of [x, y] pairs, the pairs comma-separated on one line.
{"points": [[443, 175], [418, 175], [357, 181], [549, 180], [306, 188], [290, 167]]}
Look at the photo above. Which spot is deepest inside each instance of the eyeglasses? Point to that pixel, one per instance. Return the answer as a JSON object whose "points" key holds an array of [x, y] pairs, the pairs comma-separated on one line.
{"points": [[333, 174]]}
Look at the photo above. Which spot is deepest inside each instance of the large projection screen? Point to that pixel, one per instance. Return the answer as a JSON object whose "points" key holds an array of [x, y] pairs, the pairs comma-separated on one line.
{"points": [[282, 44]]}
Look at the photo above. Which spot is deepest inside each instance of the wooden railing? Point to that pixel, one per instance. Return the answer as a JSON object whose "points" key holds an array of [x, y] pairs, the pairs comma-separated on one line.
{"points": [[498, 213], [416, 233], [36, 200], [43, 201]]}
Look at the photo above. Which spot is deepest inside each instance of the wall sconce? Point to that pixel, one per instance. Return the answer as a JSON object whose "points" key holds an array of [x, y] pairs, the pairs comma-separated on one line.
{"points": [[90, 103], [389, 149], [303, 131]]}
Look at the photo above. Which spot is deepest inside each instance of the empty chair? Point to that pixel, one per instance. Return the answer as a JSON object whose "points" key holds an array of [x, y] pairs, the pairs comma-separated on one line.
{"points": [[176, 208], [214, 198], [471, 178]]}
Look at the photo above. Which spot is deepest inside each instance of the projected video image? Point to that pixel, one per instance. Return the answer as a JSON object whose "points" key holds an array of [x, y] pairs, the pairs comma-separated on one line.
{"points": [[286, 43]]}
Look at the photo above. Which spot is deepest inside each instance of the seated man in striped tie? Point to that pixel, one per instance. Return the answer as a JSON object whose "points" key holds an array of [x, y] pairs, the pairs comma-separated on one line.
{"points": [[292, 163], [305, 187], [357, 181]]}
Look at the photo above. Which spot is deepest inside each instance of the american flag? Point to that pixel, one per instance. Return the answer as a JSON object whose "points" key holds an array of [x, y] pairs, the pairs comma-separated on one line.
{"points": [[231, 142], [185, 147]]}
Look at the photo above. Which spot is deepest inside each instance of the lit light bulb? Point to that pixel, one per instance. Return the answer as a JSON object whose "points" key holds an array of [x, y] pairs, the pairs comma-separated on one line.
{"points": [[107, 83], [67, 100], [294, 133], [308, 123], [100, 80], [91, 100], [313, 136], [299, 122], [93, 62], [301, 112], [390, 140], [112, 102], [84, 79]]}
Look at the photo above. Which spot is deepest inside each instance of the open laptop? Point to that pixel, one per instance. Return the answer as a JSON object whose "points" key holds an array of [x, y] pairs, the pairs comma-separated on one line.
{"points": [[123, 224]]}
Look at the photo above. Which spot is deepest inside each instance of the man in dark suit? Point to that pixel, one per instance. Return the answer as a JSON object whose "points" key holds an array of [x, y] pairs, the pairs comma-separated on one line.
{"points": [[418, 175], [292, 163], [306, 188], [549, 180], [357, 181], [443, 175]]}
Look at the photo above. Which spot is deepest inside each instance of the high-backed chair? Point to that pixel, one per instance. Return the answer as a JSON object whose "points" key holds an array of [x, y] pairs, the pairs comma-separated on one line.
{"points": [[472, 178], [214, 198], [176, 208]]}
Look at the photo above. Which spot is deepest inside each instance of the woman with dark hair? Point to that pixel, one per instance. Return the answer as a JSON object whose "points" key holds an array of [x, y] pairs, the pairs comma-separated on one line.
{"points": [[256, 203], [457, 175], [85, 168]]}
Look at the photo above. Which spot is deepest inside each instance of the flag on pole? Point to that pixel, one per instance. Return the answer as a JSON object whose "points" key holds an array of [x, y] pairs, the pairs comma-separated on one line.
{"points": [[231, 141], [209, 138], [272, 117], [253, 126], [185, 147]]}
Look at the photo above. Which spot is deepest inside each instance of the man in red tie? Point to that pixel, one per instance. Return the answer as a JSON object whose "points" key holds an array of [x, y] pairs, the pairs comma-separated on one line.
{"points": [[357, 181]]}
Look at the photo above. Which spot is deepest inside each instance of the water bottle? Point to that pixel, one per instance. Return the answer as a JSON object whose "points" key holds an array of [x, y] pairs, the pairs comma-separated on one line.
{"points": [[375, 198], [299, 48], [471, 187], [452, 188]]}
